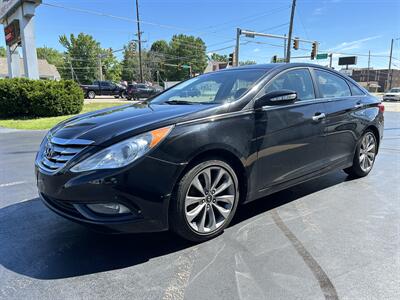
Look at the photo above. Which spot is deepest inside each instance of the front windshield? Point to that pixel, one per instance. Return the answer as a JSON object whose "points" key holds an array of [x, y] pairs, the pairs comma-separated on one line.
{"points": [[212, 88], [396, 90]]}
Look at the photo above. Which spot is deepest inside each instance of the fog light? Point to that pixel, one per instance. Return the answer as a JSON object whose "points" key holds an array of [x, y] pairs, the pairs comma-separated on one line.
{"points": [[109, 208]]}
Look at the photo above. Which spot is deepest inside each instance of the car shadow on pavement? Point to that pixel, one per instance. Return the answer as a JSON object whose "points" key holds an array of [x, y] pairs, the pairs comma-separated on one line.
{"points": [[37, 243]]}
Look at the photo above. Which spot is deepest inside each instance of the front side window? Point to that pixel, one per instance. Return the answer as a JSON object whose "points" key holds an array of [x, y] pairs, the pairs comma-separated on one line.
{"points": [[298, 80], [331, 86], [212, 88]]}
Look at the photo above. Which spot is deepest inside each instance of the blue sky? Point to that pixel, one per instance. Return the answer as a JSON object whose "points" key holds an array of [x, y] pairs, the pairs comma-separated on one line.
{"points": [[348, 26]]}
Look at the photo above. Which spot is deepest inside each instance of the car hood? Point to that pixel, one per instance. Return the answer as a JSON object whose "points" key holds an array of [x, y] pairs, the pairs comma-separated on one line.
{"points": [[109, 125]]}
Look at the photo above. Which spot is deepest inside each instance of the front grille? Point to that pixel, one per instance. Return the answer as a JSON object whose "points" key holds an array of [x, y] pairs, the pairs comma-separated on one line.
{"points": [[56, 152]]}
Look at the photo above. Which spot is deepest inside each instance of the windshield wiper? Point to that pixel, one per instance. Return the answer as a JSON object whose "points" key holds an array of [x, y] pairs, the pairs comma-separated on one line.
{"points": [[181, 102]]}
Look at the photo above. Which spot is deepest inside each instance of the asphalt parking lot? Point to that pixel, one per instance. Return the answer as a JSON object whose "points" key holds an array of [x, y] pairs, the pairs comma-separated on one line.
{"points": [[330, 238]]}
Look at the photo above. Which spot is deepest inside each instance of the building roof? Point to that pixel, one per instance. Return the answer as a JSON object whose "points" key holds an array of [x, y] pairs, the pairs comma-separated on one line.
{"points": [[46, 70]]}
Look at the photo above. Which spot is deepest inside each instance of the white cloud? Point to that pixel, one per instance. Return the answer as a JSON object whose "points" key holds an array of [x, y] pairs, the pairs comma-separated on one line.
{"points": [[318, 11], [256, 50], [357, 44]]}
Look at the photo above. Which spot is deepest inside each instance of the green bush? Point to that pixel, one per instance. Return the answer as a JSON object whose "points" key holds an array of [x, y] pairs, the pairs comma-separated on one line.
{"points": [[20, 97]]}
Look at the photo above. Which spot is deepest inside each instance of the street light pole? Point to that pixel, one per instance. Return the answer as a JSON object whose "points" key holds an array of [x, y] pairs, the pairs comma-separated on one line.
{"points": [[290, 32], [139, 34]]}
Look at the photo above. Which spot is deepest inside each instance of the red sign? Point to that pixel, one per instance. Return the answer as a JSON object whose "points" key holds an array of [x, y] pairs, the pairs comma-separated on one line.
{"points": [[12, 33]]}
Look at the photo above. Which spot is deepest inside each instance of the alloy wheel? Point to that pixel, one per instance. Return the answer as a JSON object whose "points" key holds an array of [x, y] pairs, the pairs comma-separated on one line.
{"points": [[367, 152], [210, 199]]}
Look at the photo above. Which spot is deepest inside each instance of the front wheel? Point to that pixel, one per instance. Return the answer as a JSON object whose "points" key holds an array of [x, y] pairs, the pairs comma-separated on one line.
{"points": [[364, 157], [205, 201]]}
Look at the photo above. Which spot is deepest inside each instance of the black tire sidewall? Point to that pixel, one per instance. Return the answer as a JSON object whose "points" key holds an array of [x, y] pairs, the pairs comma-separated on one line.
{"points": [[356, 168], [177, 216]]}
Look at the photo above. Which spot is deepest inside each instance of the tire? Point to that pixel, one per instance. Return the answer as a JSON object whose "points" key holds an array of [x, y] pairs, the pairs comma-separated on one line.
{"points": [[117, 97], [91, 95], [199, 216], [364, 160], [128, 98], [122, 95]]}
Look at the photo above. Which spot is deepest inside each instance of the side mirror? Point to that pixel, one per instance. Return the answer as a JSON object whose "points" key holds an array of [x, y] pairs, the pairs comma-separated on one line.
{"points": [[280, 97]]}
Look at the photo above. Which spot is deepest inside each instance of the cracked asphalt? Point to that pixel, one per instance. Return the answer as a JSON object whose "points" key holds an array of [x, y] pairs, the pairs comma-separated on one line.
{"points": [[330, 238]]}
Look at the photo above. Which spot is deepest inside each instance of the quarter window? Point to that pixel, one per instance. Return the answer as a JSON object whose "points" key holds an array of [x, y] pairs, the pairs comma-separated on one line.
{"points": [[355, 90], [298, 80], [331, 86]]}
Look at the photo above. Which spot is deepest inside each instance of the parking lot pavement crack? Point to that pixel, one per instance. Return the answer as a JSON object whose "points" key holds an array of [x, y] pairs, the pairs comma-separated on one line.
{"points": [[327, 287]]}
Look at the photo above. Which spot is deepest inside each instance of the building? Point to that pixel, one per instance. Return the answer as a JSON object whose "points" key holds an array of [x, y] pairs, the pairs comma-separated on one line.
{"points": [[215, 66], [377, 79], [46, 70]]}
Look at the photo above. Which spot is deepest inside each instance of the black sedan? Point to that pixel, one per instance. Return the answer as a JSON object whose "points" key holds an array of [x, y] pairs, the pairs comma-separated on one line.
{"points": [[186, 161]]}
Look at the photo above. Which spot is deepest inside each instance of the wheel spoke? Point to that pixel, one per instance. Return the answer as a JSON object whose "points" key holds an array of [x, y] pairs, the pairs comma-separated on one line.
{"points": [[362, 157], [193, 200], [197, 184], [371, 147], [207, 178], [194, 212], [218, 178], [226, 199], [224, 212], [223, 186], [203, 220], [211, 218]]}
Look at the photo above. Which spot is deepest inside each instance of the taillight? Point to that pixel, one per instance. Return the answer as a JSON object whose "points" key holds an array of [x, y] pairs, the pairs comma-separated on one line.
{"points": [[381, 107]]}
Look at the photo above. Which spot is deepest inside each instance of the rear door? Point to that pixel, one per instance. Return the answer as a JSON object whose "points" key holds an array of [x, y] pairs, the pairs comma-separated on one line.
{"points": [[290, 136], [343, 101]]}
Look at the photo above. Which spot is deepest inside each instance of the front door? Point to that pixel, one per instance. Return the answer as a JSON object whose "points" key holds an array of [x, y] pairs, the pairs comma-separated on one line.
{"points": [[291, 142]]}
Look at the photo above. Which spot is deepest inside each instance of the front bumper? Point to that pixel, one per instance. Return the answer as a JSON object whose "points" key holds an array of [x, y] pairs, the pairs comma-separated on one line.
{"points": [[391, 98], [144, 187]]}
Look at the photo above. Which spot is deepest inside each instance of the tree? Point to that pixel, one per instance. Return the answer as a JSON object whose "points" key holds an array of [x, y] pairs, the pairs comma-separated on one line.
{"points": [[82, 53], [52, 56], [159, 52], [186, 50], [247, 62], [3, 52], [219, 57], [130, 63], [111, 66]]}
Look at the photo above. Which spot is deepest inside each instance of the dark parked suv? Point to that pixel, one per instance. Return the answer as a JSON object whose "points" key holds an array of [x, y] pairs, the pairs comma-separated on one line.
{"points": [[141, 90], [186, 160]]}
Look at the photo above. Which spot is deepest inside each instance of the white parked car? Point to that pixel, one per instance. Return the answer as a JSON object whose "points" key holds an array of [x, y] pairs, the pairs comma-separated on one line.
{"points": [[392, 95]]}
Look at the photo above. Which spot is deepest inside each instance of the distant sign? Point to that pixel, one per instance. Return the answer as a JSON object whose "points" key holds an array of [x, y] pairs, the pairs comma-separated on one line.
{"points": [[347, 60], [322, 56], [12, 33]]}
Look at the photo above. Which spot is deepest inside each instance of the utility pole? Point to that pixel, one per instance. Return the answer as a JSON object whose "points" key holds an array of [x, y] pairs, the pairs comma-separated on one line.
{"points": [[389, 77], [284, 47], [330, 60], [100, 69], [369, 65], [139, 34], [290, 32], [238, 33]]}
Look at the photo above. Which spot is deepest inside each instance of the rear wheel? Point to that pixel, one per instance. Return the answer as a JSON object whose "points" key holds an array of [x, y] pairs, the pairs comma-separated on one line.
{"points": [[205, 201], [364, 157], [91, 94]]}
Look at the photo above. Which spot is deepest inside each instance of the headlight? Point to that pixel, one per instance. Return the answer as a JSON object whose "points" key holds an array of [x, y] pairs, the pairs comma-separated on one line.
{"points": [[123, 153]]}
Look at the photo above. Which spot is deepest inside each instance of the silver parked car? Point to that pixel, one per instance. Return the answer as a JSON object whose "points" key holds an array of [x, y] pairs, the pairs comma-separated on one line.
{"points": [[392, 95]]}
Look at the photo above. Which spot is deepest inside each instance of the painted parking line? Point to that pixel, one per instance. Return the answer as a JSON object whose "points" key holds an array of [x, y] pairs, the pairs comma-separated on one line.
{"points": [[11, 183]]}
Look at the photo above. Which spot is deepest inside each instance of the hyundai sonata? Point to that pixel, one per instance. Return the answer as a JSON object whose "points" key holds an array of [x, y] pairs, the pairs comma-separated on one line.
{"points": [[189, 157]]}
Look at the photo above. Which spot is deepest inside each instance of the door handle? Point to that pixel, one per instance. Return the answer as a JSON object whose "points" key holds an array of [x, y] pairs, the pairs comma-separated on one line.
{"points": [[318, 116], [358, 105]]}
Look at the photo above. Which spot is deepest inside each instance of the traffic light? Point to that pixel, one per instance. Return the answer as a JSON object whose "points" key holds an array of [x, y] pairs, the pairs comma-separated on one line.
{"points": [[274, 58], [230, 62], [314, 50], [296, 44]]}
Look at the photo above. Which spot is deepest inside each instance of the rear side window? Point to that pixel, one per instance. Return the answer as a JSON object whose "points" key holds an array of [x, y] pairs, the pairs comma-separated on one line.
{"points": [[298, 80], [355, 90], [331, 86]]}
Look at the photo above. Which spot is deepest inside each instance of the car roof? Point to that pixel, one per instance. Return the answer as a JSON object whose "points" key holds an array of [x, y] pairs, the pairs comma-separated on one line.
{"points": [[277, 66]]}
